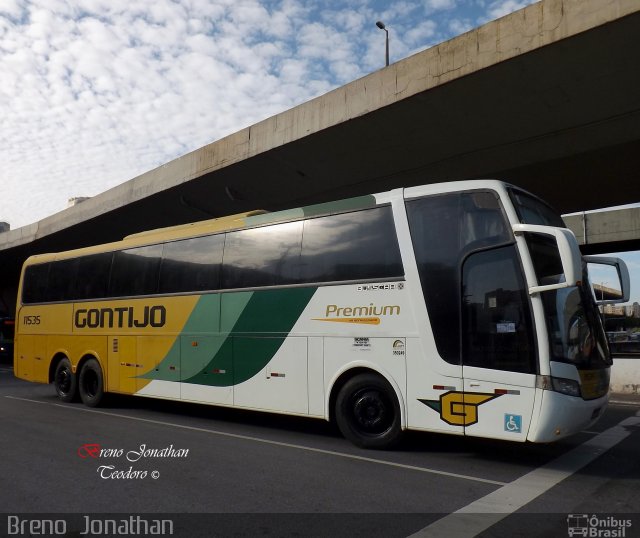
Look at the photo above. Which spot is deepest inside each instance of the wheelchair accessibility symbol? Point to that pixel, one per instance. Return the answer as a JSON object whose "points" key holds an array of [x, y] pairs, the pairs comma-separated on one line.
{"points": [[513, 423]]}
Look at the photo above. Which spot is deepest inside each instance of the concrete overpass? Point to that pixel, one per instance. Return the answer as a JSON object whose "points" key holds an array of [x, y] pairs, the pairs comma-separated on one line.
{"points": [[611, 231], [546, 98]]}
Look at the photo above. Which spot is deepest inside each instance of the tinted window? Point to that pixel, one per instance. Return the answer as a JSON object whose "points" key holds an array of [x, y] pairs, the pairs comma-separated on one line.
{"points": [[93, 276], [62, 280], [351, 246], [192, 264], [444, 230], [135, 271], [496, 319], [267, 256], [531, 210], [546, 258], [35, 283]]}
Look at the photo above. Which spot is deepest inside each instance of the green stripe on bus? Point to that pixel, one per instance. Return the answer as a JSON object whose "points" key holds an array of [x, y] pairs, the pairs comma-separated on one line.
{"points": [[278, 216], [350, 204], [339, 206], [253, 324], [273, 311], [204, 319]]}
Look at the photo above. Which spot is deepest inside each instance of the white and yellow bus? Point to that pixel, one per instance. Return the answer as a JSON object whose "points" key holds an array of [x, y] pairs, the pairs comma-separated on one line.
{"points": [[461, 308]]}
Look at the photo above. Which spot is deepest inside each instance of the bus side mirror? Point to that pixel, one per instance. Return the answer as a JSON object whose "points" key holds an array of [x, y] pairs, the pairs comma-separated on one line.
{"points": [[567, 250], [616, 278]]}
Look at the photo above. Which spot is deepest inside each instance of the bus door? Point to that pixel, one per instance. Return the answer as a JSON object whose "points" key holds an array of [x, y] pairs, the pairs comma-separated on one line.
{"points": [[479, 313], [498, 353]]}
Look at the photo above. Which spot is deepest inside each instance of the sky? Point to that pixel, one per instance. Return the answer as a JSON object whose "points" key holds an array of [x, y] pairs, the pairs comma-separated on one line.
{"points": [[96, 92]]}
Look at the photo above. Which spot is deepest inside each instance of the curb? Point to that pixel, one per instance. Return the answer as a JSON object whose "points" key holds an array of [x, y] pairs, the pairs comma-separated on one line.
{"points": [[631, 400]]}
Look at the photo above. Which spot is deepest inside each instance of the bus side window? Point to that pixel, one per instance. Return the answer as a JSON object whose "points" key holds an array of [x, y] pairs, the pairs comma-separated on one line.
{"points": [[351, 246], [93, 276], [62, 280], [36, 279], [266, 256], [545, 258], [445, 228], [135, 271], [496, 319], [192, 264]]}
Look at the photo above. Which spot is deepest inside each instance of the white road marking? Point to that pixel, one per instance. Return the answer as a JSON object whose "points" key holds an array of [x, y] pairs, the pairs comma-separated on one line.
{"points": [[270, 442], [481, 514]]}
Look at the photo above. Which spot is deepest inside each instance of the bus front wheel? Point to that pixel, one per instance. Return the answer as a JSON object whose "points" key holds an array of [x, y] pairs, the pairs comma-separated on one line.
{"points": [[65, 381], [368, 413], [91, 383]]}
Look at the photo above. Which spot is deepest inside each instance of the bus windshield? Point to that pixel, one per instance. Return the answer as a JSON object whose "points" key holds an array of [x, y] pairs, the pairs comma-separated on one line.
{"points": [[575, 331], [532, 210]]}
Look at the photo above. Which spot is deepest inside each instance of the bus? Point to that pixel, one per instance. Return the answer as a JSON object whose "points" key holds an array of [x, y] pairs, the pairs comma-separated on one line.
{"points": [[462, 308]]}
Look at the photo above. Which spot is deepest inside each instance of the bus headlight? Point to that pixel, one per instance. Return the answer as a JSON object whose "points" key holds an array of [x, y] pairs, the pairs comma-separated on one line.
{"points": [[570, 387], [566, 386]]}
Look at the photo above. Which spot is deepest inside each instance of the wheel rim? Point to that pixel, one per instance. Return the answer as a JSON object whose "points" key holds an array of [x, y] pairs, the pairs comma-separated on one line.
{"points": [[63, 380], [90, 383], [372, 412]]}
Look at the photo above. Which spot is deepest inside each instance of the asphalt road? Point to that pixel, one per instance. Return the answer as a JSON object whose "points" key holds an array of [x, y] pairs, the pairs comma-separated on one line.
{"points": [[235, 473]]}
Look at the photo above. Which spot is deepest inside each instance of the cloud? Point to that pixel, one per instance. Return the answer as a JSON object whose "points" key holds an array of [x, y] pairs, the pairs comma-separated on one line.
{"points": [[96, 92], [500, 8], [436, 5], [460, 26]]}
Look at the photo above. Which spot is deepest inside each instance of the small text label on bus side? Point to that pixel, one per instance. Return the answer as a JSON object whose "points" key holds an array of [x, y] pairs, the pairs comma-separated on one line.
{"points": [[120, 317]]}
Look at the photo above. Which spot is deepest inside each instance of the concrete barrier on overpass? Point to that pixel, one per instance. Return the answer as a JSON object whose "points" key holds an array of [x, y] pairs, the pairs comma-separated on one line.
{"points": [[613, 230]]}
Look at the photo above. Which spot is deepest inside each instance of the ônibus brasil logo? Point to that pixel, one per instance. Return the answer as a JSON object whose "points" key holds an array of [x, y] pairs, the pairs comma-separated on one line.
{"points": [[597, 526]]}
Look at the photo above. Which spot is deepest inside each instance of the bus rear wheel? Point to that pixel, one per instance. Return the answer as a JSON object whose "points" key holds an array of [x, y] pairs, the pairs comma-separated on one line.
{"points": [[65, 381], [91, 383], [368, 413]]}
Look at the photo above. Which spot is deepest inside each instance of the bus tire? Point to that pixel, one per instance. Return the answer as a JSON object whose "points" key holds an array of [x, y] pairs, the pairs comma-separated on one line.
{"points": [[65, 381], [368, 413], [91, 383]]}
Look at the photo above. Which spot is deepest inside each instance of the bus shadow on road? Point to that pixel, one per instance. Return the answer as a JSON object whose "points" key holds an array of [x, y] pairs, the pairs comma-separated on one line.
{"points": [[272, 425], [483, 449], [219, 416]]}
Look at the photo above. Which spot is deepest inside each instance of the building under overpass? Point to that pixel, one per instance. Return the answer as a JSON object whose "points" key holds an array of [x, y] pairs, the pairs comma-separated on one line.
{"points": [[546, 98]]}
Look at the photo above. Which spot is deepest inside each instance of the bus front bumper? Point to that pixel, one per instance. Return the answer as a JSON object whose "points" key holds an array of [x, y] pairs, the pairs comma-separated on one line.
{"points": [[561, 416]]}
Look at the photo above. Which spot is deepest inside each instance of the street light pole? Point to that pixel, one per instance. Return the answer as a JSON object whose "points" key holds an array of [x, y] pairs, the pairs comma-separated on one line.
{"points": [[381, 25]]}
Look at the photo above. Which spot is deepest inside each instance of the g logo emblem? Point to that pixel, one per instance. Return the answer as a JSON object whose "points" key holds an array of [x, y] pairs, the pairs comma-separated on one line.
{"points": [[459, 408]]}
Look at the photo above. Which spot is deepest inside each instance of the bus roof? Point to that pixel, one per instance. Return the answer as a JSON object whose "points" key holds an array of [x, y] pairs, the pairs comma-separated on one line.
{"points": [[261, 217], [238, 221]]}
